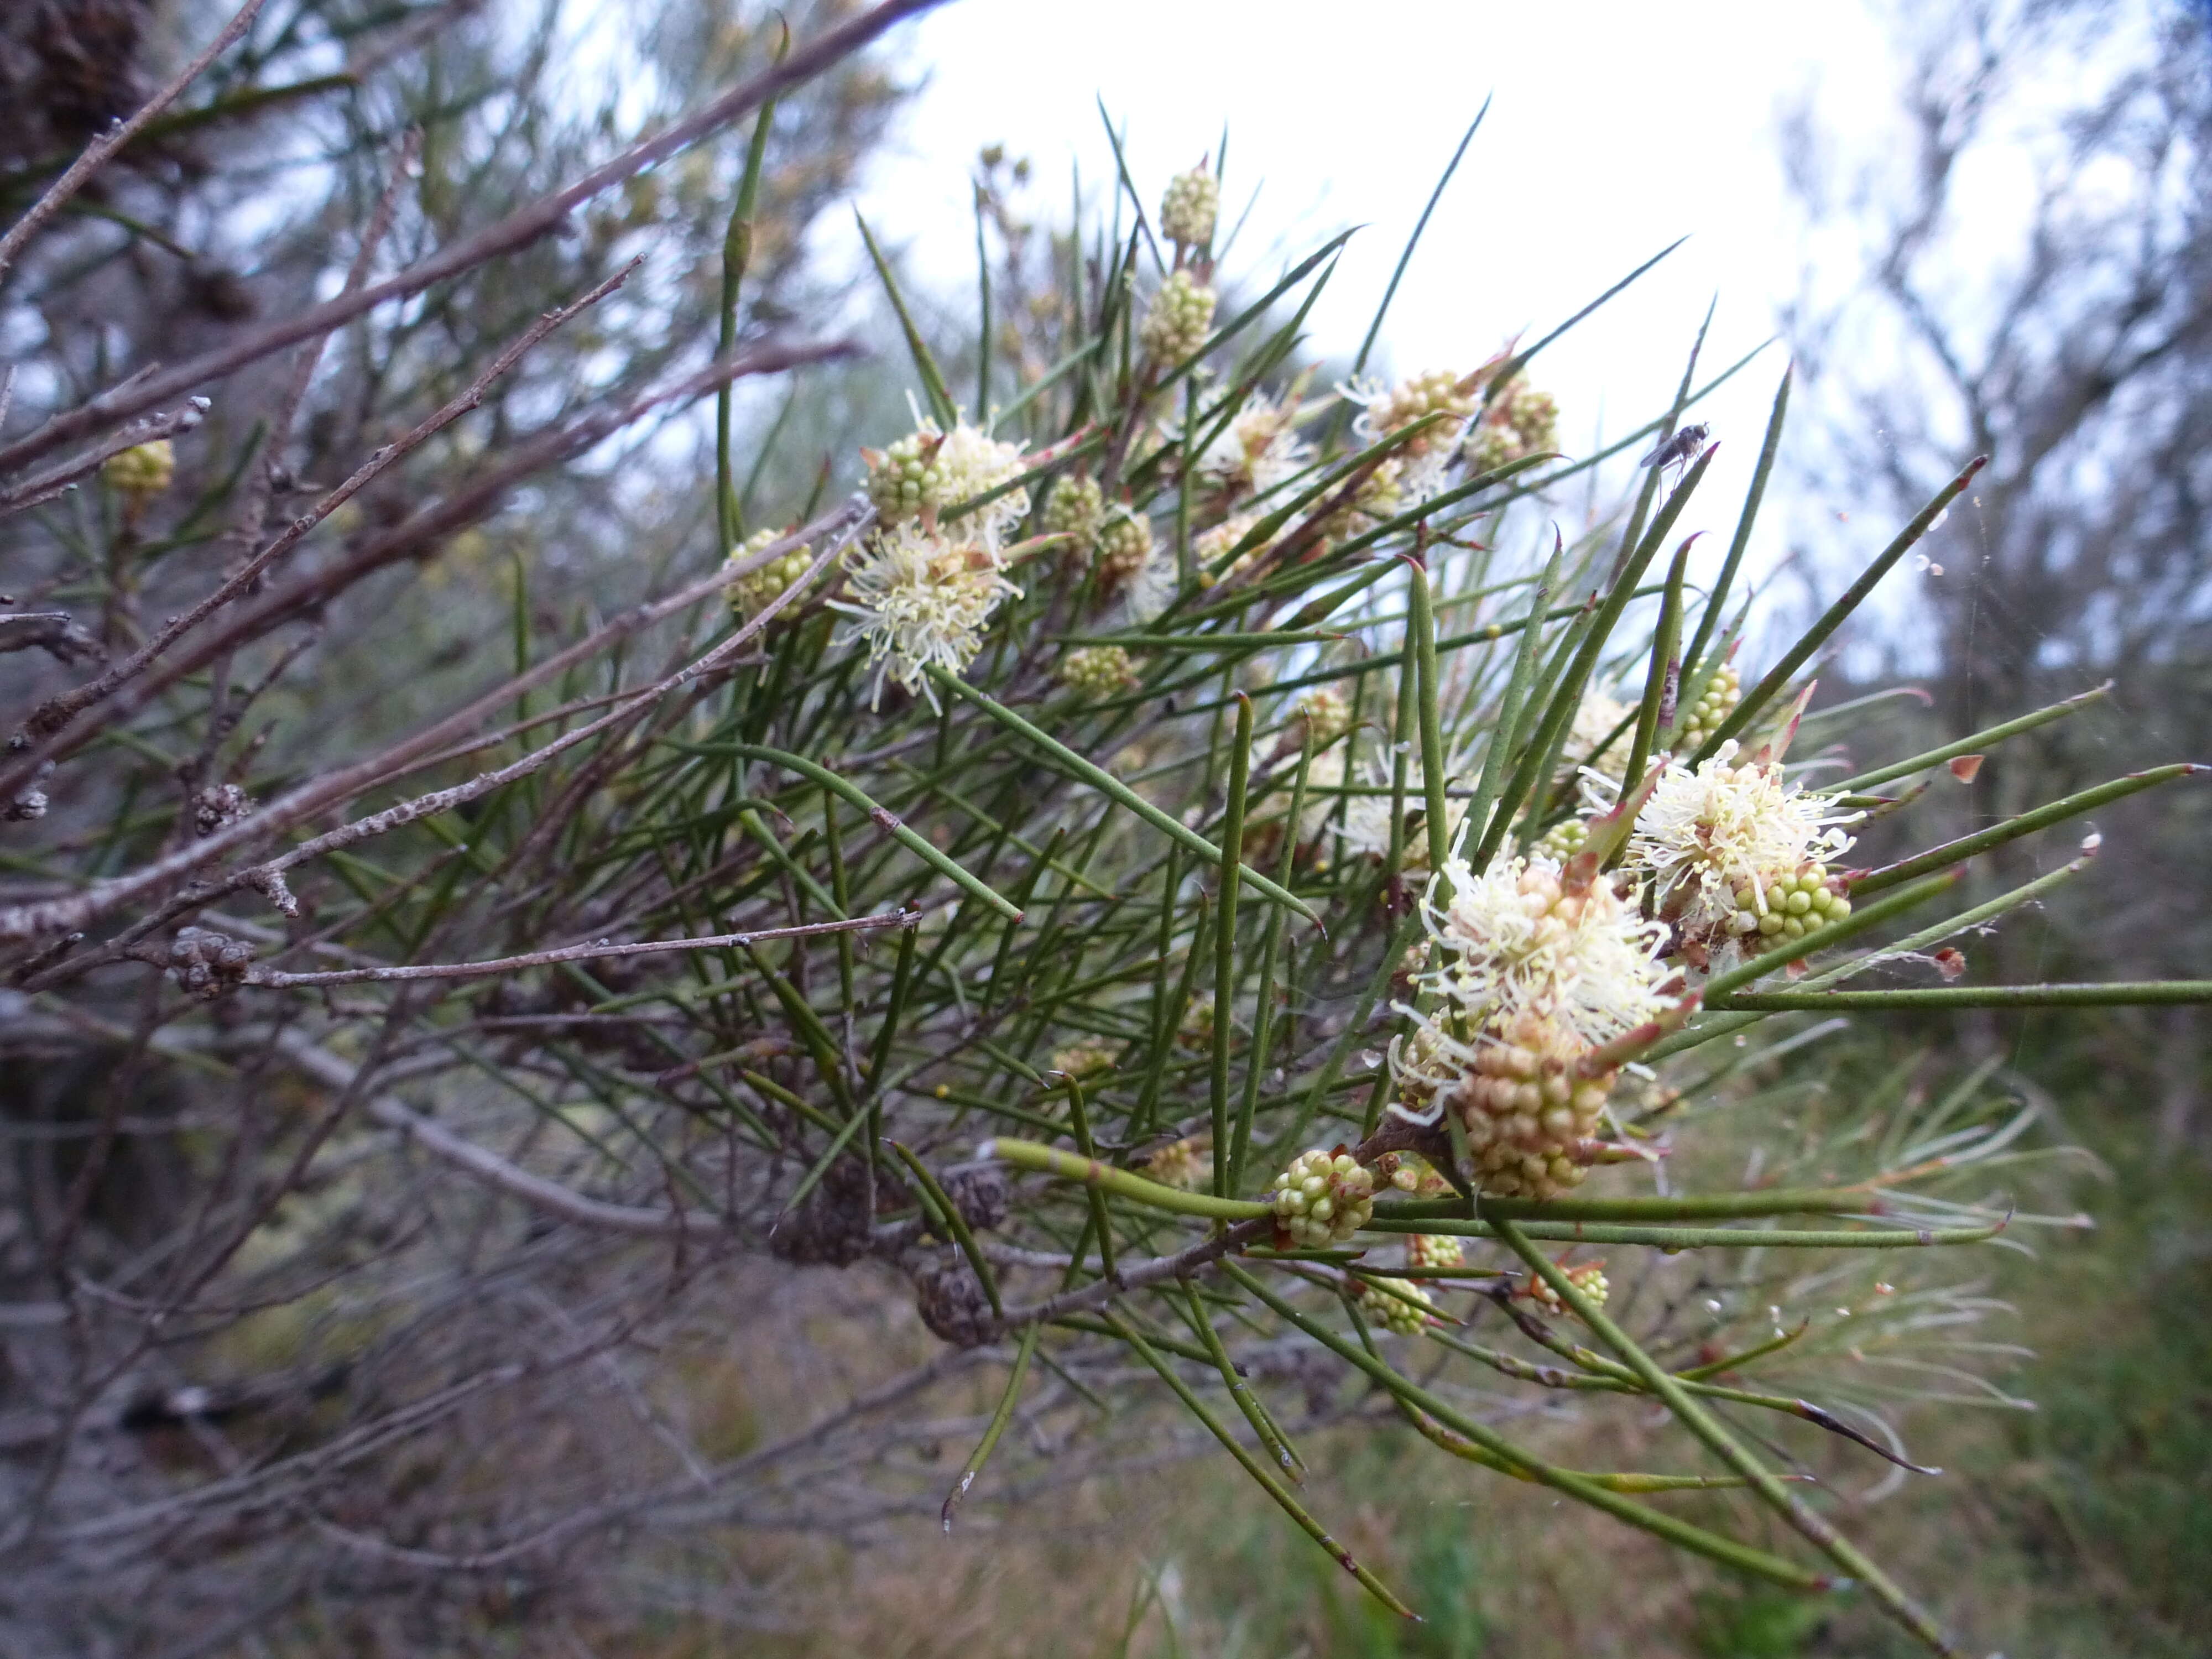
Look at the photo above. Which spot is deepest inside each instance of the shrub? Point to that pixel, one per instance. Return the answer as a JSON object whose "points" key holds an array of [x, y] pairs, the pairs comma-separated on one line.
{"points": [[968, 882]]}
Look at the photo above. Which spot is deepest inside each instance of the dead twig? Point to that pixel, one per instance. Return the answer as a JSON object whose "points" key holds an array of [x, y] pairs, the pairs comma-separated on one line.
{"points": [[517, 230], [101, 149], [602, 951]]}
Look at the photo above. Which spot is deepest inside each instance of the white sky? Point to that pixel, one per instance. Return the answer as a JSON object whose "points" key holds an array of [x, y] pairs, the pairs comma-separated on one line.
{"points": [[1614, 128]]}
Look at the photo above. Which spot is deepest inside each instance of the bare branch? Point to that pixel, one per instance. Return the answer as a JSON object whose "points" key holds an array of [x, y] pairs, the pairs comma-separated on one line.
{"points": [[431, 524], [578, 953], [97, 153], [519, 229], [56, 711], [35, 491]]}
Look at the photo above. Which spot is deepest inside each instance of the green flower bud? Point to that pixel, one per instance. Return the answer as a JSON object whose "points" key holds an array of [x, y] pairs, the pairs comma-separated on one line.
{"points": [[752, 592], [143, 470], [1094, 672], [1124, 544], [1189, 208], [1563, 841], [1340, 1207], [1077, 507], [1181, 318], [1399, 1306], [1702, 719]]}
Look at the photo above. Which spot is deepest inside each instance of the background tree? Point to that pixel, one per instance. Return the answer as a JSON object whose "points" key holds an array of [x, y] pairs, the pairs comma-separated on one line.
{"points": [[2073, 344], [2075, 350]]}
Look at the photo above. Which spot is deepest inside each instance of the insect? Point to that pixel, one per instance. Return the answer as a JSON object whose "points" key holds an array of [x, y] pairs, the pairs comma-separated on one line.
{"points": [[1677, 450]]}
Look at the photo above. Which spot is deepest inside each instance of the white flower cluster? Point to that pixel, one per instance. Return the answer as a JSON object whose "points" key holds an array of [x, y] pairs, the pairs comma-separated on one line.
{"points": [[1324, 714], [1323, 779], [921, 598], [1514, 938], [931, 471], [1209, 547], [1387, 409], [1600, 716], [1258, 449], [1367, 818], [1532, 975], [1521, 421], [1724, 828], [920, 590]]}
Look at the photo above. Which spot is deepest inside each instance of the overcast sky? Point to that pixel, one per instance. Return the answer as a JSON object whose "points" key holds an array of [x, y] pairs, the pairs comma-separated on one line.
{"points": [[1614, 128]]}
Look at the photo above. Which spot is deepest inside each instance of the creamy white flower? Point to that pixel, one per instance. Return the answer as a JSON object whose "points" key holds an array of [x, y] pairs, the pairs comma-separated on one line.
{"points": [[1324, 714], [1704, 835], [1597, 718], [1515, 940], [1326, 774], [1258, 449], [1533, 974], [1367, 817], [921, 598], [1209, 547], [1386, 409], [1154, 586], [974, 463]]}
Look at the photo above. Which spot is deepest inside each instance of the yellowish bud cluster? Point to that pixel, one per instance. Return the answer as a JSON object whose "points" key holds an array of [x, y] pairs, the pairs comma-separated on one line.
{"points": [[751, 592], [1563, 839], [1189, 208], [1433, 1252], [1526, 1107], [1209, 547], [1187, 1163], [1400, 1307], [1323, 1198], [1076, 507], [1703, 718], [1787, 908], [1196, 1028], [929, 471], [908, 479], [1181, 318], [1325, 714], [1522, 421], [1124, 544], [143, 470], [1588, 1278], [1084, 1058], [1438, 392], [1094, 672]]}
